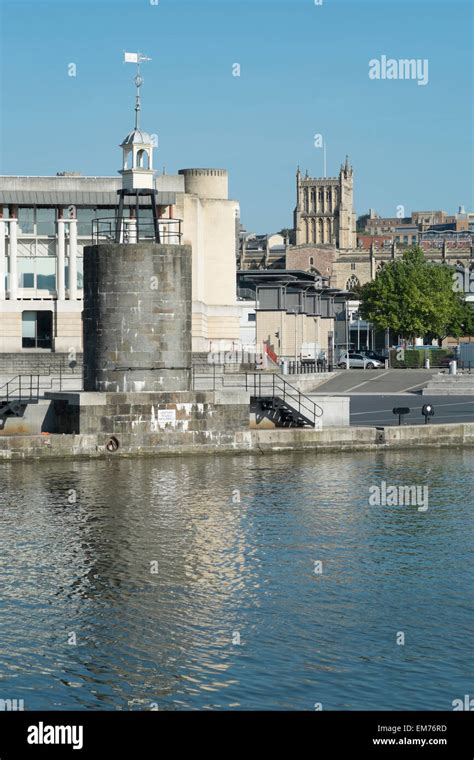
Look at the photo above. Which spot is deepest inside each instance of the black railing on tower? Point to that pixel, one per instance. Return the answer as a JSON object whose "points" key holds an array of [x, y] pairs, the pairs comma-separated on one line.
{"points": [[104, 230]]}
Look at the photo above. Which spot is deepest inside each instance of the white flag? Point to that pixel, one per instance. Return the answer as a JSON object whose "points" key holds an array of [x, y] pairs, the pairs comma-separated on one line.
{"points": [[131, 58]]}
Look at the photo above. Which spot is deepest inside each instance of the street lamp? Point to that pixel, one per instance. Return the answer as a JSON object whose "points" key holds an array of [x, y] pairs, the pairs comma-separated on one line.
{"points": [[427, 412]]}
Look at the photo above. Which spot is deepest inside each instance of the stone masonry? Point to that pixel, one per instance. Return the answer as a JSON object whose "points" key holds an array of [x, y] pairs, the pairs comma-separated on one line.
{"points": [[137, 317]]}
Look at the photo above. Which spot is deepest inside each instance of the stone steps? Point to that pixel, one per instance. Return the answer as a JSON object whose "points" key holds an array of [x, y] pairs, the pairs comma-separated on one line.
{"points": [[450, 385]]}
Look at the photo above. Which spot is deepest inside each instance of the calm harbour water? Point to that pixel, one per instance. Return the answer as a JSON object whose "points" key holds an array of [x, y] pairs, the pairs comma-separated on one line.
{"points": [[85, 569]]}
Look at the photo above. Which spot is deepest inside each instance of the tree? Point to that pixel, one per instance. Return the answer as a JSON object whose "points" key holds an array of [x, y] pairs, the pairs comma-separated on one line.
{"points": [[361, 224], [286, 232], [416, 298]]}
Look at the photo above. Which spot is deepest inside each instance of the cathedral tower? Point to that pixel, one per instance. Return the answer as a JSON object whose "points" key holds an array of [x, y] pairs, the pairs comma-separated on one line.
{"points": [[324, 213]]}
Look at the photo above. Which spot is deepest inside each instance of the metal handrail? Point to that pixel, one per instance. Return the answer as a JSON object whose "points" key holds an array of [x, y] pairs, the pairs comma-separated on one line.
{"points": [[19, 392], [105, 228], [272, 383], [28, 387], [280, 388]]}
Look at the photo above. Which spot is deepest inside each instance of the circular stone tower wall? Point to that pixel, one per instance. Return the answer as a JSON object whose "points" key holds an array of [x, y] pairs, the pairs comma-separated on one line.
{"points": [[137, 317], [207, 183]]}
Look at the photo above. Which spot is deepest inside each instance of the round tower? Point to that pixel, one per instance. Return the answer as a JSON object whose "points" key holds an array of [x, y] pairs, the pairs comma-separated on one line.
{"points": [[137, 292], [206, 183], [137, 317]]}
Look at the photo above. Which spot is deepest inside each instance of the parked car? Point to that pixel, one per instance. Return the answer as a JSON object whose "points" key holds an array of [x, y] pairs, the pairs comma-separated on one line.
{"points": [[374, 355], [359, 360]]}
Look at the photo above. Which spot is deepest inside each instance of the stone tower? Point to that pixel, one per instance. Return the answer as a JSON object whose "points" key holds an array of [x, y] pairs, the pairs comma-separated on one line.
{"points": [[137, 292], [324, 213]]}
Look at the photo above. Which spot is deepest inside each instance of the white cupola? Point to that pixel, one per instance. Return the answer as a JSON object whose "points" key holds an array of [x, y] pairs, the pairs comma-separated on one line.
{"points": [[137, 167], [137, 148]]}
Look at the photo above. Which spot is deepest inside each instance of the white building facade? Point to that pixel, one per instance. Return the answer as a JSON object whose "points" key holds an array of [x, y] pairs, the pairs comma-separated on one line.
{"points": [[46, 222]]}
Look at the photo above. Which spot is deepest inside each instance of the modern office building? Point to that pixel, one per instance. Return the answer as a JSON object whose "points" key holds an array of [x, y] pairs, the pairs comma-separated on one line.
{"points": [[45, 223], [295, 313]]}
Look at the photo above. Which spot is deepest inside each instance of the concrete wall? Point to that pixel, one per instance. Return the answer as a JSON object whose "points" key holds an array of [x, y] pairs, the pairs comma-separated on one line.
{"points": [[336, 410], [174, 419], [67, 323], [10, 330], [137, 316], [42, 363], [303, 328], [20, 448], [69, 327], [35, 419], [209, 227]]}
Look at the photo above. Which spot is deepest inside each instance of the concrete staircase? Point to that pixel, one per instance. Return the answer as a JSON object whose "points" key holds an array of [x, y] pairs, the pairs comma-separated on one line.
{"points": [[450, 385]]}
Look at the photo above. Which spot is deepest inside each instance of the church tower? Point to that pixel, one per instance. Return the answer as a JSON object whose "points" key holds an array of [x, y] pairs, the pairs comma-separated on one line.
{"points": [[324, 214], [347, 217]]}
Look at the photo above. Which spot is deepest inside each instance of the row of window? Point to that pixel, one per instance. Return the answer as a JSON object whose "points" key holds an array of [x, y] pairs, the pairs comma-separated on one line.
{"points": [[310, 199], [43, 221], [39, 273]]}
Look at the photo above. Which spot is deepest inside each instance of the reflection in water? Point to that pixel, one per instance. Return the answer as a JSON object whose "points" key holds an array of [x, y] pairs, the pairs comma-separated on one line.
{"points": [[158, 568]]}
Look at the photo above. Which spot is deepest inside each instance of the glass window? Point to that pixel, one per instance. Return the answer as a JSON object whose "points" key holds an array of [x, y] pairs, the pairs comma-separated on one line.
{"points": [[84, 221], [28, 326], [39, 273], [46, 221], [145, 220], [26, 272], [105, 213], [45, 274], [37, 329], [251, 317], [26, 218]]}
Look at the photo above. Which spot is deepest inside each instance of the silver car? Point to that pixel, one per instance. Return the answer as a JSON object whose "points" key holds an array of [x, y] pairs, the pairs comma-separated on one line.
{"points": [[358, 360]]}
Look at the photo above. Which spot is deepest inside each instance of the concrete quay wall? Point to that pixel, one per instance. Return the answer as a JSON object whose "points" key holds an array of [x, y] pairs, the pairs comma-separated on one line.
{"points": [[202, 441]]}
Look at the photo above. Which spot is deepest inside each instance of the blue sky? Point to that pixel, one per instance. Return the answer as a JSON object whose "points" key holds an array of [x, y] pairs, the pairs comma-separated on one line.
{"points": [[304, 71]]}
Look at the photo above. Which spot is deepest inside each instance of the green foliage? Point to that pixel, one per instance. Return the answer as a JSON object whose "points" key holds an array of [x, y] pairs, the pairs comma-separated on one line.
{"points": [[415, 358], [414, 297], [288, 233], [362, 222]]}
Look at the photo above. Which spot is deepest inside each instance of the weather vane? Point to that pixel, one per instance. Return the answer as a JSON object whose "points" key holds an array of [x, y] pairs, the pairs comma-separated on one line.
{"points": [[136, 58]]}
